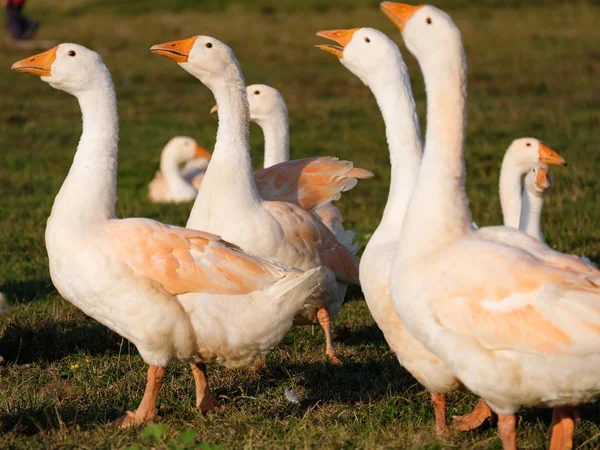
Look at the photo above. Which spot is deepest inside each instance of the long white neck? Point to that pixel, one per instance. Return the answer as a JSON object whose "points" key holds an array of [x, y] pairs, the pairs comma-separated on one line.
{"points": [[439, 211], [393, 93], [169, 168], [88, 194], [531, 213], [510, 191], [276, 130], [229, 179]]}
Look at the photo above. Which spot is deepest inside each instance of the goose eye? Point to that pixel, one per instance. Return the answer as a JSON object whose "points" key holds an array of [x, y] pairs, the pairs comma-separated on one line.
{"points": [[367, 40], [428, 21], [528, 144], [71, 53], [208, 45], [256, 92]]}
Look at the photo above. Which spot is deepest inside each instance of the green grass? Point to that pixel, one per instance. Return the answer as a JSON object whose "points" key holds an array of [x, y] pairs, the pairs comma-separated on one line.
{"points": [[533, 70]]}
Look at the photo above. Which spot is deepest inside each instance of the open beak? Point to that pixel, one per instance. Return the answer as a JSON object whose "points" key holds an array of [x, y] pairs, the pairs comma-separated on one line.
{"points": [[201, 152], [214, 109], [40, 64], [342, 37], [178, 51], [550, 157], [543, 180], [399, 13]]}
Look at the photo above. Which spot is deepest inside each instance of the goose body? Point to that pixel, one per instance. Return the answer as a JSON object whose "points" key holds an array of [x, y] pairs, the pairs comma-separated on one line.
{"points": [[171, 184], [515, 328], [269, 111], [229, 200], [376, 60], [175, 293]]}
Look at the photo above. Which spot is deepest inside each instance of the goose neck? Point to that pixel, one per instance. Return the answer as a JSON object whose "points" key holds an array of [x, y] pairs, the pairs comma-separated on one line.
{"points": [[439, 203], [277, 138], [229, 180], [531, 213], [510, 192], [89, 191], [393, 93]]}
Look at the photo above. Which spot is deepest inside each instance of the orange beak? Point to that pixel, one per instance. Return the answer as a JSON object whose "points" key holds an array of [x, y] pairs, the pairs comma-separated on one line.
{"points": [[214, 109], [342, 37], [543, 180], [201, 152], [550, 157], [40, 64], [178, 51], [399, 13]]}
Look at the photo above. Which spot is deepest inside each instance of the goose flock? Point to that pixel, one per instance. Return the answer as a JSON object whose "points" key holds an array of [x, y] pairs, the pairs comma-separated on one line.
{"points": [[492, 311]]}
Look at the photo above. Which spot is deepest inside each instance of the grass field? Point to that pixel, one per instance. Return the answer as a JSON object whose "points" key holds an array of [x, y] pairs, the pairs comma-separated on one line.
{"points": [[533, 70]]}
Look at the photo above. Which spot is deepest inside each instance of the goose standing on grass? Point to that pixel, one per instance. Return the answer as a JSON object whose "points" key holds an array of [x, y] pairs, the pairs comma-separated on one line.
{"points": [[171, 184], [538, 182], [269, 111], [230, 203], [515, 328], [177, 294], [522, 156], [377, 61]]}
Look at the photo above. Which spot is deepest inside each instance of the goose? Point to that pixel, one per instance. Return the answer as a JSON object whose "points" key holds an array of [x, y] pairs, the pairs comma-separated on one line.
{"points": [[376, 60], [522, 156], [516, 328], [177, 294], [538, 182], [230, 203], [269, 111], [171, 184]]}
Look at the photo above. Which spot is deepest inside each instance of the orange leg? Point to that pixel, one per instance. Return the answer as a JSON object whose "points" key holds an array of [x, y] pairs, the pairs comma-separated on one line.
{"points": [[474, 419], [561, 430], [146, 412], [325, 322], [507, 429], [205, 401], [439, 408]]}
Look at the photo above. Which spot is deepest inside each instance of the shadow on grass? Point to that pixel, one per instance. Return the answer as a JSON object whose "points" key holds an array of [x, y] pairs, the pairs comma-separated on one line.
{"points": [[30, 422], [53, 341], [367, 334], [353, 382], [23, 292]]}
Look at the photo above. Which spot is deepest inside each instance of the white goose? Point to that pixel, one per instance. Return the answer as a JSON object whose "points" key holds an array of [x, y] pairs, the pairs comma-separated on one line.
{"points": [[143, 279], [170, 184], [538, 182], [376, 60], [516, 329], [522, 155], [230, 202], [269, 111]]}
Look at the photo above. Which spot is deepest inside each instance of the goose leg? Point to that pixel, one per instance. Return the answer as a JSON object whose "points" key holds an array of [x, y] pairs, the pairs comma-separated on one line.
{"points": [[474, 419], [146, 411], [205, 401], [507, 429], [439, 408], [325, 322], [561, 430]]}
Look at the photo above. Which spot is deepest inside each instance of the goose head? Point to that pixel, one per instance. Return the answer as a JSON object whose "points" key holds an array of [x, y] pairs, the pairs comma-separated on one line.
{"points": [[366, 52], [68, 67], [265, 102], [183, 148], [527, 153], [429, 33], [538, 180], [206, 58]]}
